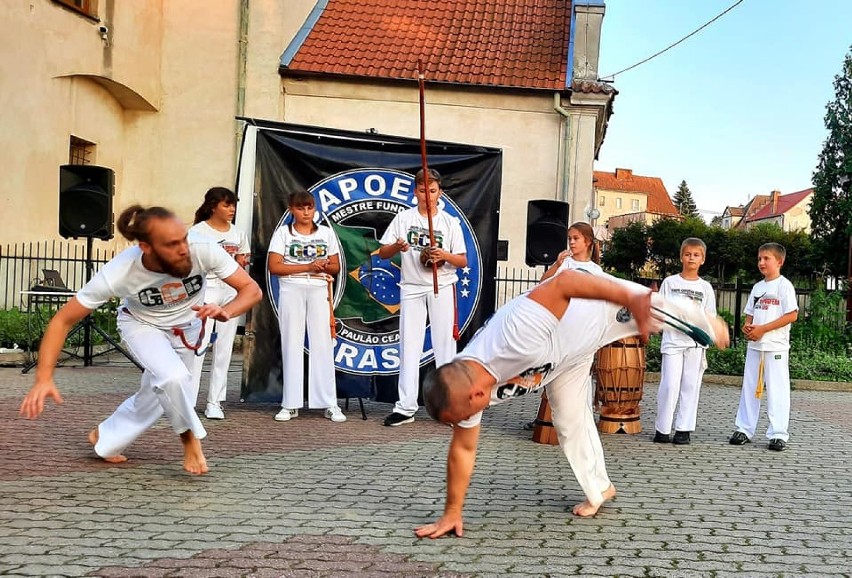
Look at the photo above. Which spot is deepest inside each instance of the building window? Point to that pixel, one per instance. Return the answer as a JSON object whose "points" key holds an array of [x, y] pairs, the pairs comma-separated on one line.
{"points": [[80, 152], [87, 7], [618, 203], [635, 204], [601, 201]]}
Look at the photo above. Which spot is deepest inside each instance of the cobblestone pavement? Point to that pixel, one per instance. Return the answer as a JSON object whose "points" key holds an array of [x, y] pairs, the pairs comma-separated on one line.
{"points": [[314, 498]]}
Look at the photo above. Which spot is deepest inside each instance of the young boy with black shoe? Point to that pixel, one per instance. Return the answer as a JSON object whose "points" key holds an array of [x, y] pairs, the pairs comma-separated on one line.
{"points": [[771, 308], [683, 360]]}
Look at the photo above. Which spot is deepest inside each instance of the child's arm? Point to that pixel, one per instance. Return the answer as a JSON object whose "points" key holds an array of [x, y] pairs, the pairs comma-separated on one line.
{"points": [[454, 259], [391, 249], [758, 331]]}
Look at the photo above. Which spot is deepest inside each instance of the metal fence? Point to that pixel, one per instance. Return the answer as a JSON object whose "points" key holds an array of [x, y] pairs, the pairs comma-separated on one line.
{"points": [[22, 266]]}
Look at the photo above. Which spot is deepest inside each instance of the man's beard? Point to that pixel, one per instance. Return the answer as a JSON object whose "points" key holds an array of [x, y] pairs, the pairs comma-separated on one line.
{"points": [[179, 269]]}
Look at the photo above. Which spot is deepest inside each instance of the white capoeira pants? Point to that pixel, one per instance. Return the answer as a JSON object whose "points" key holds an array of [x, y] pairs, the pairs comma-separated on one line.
{"points": [[166, 387], [574, 422], [412, 335], [221, 350], [776, 379], [301, 303], [680, 380]]}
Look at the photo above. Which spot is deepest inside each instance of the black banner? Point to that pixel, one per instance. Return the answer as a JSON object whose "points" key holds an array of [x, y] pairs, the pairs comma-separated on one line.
{"points": [[360, 182]]}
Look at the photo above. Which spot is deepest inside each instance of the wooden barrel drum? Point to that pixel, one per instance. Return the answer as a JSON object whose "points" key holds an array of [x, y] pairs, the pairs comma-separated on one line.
{"points": [[620, 373], [543, 430]]}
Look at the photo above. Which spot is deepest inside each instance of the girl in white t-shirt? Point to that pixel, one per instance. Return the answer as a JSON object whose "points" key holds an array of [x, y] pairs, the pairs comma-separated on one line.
{"points": [[305, 256], [582, 252], [213, 220]]}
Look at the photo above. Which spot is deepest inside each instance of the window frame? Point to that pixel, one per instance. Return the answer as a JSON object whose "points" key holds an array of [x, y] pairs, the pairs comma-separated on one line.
{"points": [[87, 8]]}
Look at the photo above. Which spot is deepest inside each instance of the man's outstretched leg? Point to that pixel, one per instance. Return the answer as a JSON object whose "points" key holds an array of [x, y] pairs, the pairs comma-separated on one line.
{"points": [[93, 439]]}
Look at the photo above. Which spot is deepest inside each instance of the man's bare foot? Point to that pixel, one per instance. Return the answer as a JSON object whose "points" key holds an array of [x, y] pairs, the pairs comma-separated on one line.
{"points": [[93, 439], [194, 461], [587, 510]]}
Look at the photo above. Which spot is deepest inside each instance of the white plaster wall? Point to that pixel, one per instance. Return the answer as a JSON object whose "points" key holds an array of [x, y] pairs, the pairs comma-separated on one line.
{"points": [[526, 128]]}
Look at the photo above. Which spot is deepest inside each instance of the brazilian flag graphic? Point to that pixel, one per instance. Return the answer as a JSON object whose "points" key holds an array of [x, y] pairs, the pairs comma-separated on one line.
{"points": [[372, 284]]}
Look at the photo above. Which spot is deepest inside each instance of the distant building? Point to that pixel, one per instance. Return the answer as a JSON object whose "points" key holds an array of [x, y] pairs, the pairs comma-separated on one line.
{"points": [[735, 217], [790, 212], [622, 198]]}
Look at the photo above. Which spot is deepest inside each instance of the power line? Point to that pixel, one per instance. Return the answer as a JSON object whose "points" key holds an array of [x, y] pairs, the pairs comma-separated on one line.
{"points": [[670, 46]]}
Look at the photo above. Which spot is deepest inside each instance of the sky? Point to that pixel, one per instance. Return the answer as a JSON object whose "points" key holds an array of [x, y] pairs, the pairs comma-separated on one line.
{"points": [[736, 110]]}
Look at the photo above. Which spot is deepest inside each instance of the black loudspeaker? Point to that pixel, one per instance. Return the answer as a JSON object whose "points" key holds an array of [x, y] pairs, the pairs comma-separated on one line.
{"points": [[85, 201], [547, 231]]}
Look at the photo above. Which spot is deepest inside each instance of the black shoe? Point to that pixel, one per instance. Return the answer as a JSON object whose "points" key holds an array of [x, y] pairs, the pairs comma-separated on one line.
{"points": [[738, 438], [661, 438], [681, 438], [530, 425], [777, 445], [395, 419]]}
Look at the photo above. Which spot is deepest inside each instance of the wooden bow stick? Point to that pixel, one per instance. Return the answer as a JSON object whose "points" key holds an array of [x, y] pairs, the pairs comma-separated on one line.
{"points": [[421, 81]]}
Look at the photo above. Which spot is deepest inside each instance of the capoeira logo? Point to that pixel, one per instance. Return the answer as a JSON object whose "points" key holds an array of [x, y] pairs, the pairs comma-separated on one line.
{"points": [[170, 294], [623, 315], [359, 205], [528, 381]]}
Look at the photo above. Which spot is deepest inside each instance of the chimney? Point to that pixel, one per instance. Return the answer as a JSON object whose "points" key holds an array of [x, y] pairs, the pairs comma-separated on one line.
{"points": [[773, 198], [623, 174], [586, 38]]}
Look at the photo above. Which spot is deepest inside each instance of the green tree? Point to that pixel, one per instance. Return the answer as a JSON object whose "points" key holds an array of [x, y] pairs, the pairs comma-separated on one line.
{"points": [[684, 202], [716, 221], [831, 206], [627, 251]]}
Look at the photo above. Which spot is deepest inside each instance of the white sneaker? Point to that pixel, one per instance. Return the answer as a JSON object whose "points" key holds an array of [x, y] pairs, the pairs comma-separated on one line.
{"points": [[334, 414], [214, 411], [286, 414]]}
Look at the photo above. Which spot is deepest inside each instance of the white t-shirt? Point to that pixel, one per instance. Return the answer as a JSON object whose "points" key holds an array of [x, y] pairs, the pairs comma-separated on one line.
{"points": [[525, 347], [299, 249], [413, 227], [158, 298], [233, 241], [698, 291], [573, 264], [768, 301]]}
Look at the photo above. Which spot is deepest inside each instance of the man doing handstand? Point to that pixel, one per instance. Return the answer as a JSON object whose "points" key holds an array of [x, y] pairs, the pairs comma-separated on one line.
{"points": [[547, 337]]}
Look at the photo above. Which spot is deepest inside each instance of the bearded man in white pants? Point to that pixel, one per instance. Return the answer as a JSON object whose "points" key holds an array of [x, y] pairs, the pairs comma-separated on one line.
{"points": [[161, 282], [544, 338]]}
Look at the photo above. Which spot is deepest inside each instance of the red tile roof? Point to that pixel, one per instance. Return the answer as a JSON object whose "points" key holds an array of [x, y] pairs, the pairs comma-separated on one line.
{"points": [[784, 204], [509, 43], [659, 201]]}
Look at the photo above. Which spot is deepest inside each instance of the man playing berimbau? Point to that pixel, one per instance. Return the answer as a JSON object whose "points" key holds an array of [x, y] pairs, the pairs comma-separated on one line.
{"points": [[547, 337]]}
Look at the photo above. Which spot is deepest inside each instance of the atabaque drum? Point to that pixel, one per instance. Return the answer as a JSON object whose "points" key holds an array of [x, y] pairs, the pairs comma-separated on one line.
{"points": [[620, 373], [543, 430]]}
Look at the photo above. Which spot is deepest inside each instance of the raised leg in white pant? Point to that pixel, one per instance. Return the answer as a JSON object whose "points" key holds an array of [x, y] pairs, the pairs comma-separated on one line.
{"points": [[575, 427], [680, 380], [302, 305], [166, 388], [412, 334], [221, 350]]}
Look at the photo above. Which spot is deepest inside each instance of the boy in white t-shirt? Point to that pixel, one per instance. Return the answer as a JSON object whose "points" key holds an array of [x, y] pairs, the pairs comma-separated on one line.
{"points": [[408, 233], [771, 308], [683, 360], [161, 282]]}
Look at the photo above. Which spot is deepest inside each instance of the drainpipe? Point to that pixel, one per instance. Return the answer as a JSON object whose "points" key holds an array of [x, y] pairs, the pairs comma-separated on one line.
{"points": [[242, 64], [566, 146]]}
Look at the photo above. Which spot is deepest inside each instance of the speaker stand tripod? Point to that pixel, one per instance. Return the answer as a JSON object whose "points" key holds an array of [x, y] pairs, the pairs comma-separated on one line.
{"points": [[87, 326]]}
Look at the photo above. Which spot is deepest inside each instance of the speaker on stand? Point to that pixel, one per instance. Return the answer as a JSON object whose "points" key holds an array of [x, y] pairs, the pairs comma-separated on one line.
{"points": [[85, 210], [547, 231]]}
